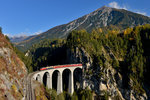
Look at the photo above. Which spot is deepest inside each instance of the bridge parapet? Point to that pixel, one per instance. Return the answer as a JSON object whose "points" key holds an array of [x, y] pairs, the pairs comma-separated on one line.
{"points": [[49, 73]]}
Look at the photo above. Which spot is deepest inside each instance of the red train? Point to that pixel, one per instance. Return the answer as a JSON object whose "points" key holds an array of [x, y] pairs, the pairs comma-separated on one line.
{"points": [[60, 66]]}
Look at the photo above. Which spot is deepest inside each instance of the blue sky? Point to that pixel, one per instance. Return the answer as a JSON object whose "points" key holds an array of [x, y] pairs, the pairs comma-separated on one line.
{"points": [[28, 17]]}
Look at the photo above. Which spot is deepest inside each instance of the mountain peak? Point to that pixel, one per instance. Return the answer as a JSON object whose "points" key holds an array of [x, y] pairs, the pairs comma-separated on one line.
{"points": [[104, 16], [103, 8]]}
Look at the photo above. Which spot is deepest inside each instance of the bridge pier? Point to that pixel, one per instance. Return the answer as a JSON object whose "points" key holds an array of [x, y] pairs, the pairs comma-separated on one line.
{"points": [[49, 78], [50, 81], [71, 83], [59, 83]]}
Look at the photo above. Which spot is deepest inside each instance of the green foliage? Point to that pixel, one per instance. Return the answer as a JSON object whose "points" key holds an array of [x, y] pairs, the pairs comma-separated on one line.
{"points": [[81, 94], [115, 64], [7, 38], [106, 96], [84, 94], [130, 47], [60, 97], [136, 60], [51, 94], [127, 52], [47, 52], [90, 42], [74, 96], [22, 56]]}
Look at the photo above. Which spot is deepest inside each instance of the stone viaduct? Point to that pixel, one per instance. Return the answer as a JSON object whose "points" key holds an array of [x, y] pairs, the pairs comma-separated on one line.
{"points": [[57, 74]]}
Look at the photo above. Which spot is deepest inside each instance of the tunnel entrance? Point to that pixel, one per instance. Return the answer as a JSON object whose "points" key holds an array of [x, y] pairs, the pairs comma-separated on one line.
{"points": [[77, 78], [55, 75], [46, 79], [66, 79]]}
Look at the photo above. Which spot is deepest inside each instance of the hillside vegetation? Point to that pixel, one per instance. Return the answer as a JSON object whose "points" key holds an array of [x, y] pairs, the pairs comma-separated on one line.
{"points": [[128, 53]]}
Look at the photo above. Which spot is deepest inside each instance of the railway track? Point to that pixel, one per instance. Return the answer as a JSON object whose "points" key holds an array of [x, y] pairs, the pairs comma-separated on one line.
{"points": [[29, 89]]}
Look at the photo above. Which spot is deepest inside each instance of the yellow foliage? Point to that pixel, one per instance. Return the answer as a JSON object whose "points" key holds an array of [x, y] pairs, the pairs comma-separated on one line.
{"points": [[128, 31], [14, 88], [100, 30], [78, 39], [113, 32], [83, 31], [131, 39], [106, 35], [41, 98], [53, 45]]}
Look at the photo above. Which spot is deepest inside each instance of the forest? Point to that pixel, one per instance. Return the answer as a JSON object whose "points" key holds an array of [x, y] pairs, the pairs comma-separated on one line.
{"points": [[129, 52]]}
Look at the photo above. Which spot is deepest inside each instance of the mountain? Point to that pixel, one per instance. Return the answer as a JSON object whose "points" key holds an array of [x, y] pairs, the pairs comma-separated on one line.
{"points": [[12, 72], [17, 39], [101, 17]]}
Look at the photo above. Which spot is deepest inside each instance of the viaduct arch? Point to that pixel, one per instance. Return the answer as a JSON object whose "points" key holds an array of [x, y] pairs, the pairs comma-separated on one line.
{"points": [[61, 78]]}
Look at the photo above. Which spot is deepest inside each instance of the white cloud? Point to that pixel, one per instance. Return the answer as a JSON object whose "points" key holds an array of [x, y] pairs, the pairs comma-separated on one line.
{"points": [[16, 35], [21, 34], [143, 13], [38, 32], [116, 5]]}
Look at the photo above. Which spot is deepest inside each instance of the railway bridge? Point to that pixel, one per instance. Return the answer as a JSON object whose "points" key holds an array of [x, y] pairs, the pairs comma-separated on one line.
{"points": [[62, 77]]}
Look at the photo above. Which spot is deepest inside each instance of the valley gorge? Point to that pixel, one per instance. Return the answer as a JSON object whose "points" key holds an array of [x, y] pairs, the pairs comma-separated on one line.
{"points": [[111, 44]]}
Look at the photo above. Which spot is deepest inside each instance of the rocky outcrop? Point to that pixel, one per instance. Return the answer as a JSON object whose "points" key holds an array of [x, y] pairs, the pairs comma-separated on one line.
{"points": [[12, 72], [103, 80]]}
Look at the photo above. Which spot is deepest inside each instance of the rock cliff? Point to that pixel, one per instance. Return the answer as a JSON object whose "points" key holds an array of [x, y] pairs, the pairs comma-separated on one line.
{"points": [[12, 72], [104, 80]]}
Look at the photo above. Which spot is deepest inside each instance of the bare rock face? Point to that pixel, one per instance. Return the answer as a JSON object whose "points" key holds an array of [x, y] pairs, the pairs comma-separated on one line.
{"points": [[12, 72], [102, 87], [104, 79], [78, 56]]}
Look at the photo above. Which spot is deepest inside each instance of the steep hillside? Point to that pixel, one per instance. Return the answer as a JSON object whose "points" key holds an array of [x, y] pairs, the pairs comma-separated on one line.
{"points": [[12, 72], [115, 65], [101, 17]]}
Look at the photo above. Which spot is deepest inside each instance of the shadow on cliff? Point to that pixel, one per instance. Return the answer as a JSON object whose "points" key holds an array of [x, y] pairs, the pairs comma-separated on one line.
{"points": [[46, 56]]}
